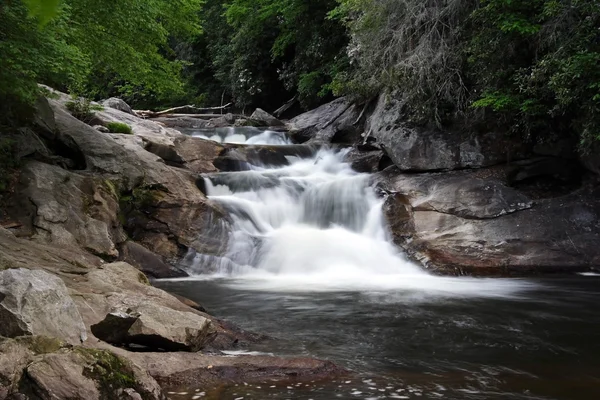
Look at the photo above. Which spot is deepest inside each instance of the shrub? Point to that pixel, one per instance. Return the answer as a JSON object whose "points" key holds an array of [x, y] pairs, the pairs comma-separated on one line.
{"points": [[83, 109], [119, 127]]}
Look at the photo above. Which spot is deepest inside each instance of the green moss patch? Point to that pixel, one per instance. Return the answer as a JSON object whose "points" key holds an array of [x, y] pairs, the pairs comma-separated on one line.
{"points": [[119, 127]]}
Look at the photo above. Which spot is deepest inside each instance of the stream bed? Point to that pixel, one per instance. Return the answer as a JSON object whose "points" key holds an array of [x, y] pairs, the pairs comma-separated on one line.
{"points": [[542, 344], [310, 264]]}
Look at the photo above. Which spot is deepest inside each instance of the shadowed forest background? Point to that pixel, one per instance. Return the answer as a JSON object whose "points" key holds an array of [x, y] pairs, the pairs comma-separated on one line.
{"points": [[524, 67]]}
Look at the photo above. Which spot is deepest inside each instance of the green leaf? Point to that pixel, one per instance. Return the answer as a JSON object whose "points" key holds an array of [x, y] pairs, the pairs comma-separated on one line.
{"points": [[43, 10]]}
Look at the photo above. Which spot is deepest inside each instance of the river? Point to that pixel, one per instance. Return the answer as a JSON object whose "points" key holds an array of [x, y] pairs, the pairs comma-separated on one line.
{"points": [[309, 263]]}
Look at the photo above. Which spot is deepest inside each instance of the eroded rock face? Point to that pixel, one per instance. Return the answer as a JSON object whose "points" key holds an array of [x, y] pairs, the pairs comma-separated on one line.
{"points": [[420, 149], [458, 224], [34, 302], [335, 119], [264, 118], [70, 209], [156, 327]]}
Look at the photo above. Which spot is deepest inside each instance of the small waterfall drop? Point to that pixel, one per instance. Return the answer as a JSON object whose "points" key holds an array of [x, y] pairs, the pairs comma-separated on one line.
{"points": [[317, 225]]}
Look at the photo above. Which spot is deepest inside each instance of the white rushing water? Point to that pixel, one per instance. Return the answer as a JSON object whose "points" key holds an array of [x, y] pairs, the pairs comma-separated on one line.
{"points": [[317, 225], [247, 135]]}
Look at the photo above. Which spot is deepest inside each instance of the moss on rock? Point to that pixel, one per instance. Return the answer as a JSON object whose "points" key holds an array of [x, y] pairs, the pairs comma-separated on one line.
{"points": [[111, 372]]}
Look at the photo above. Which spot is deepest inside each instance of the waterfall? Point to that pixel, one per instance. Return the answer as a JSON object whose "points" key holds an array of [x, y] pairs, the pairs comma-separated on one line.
{"points": [[317, 225]]}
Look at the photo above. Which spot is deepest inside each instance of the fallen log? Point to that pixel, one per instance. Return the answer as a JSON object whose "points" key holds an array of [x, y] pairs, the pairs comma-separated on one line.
{"points": [[188, 108], [202, 116]]}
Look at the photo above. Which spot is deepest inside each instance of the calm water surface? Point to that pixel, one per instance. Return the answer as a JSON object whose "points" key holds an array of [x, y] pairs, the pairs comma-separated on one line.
{"points": [[542, 343]]}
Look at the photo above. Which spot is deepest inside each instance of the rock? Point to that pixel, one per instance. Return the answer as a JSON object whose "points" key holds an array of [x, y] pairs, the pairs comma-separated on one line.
{"points": [[176, 370], [66, 208], [457, 194], [156, 327], [264, 118], [326, 123], [189, 303], [87, 374], [241, 122], [420, 149], [101, 128], [161, 207], [367, 161], [118, 104], [119, 286], [33, 302], [148, 262], [223, 121], [13, 360], [454, 223]]}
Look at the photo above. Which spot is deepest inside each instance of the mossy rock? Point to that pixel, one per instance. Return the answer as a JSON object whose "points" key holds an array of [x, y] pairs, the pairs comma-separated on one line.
{"points": [[119, 127], [111, 372]]}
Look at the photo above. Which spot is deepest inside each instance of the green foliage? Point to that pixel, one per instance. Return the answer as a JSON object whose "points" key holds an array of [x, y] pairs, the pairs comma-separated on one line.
{"points": [[536, 65], [43, 10], [412, 45], [529, 67], [8, 161], [119, 127], [81, 108], [92, 48], [265, 52]]}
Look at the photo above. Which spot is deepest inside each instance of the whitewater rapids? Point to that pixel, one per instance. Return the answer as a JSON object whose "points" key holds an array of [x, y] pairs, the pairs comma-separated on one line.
{"points": [[317, 225]]}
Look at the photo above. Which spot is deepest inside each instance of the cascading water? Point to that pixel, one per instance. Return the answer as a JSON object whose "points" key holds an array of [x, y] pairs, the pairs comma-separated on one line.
{"points": [[245, 135], [317, 225]]}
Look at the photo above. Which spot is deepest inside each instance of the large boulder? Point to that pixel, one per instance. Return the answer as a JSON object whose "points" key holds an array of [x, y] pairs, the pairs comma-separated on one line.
{"points": [[118, 104], [337, 122], [34, 302], [69, 209], [264, 118], [193, 153], [458, 224], [156, 327], [119, 287], [88, 374], [413, 148]]}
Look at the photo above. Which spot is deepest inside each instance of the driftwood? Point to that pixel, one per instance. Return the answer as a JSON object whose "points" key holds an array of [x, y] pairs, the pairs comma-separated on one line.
{"points": [[173, 111], [285, 107], [201, 116]]}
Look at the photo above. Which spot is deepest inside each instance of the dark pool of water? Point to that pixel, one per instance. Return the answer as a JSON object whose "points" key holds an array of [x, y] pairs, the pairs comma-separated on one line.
{"points": [[542, 344]]}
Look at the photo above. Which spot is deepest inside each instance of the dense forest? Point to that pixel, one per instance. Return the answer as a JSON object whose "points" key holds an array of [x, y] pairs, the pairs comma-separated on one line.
{"points": [[527, 67]]}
